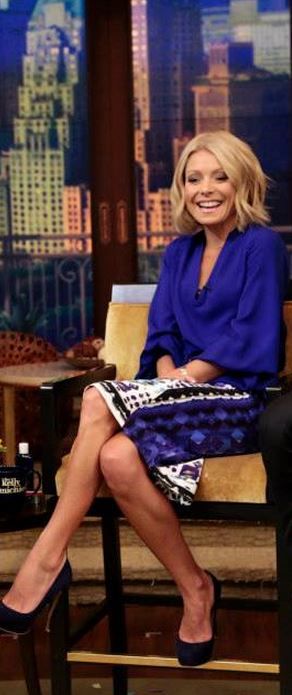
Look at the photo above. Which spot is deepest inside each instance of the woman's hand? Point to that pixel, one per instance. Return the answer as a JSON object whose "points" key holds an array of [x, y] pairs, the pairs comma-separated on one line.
{"points": [[166, 369], [180, 373], [197, 371]]}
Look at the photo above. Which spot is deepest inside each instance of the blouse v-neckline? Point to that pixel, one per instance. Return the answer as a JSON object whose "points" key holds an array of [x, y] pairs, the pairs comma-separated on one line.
{"points": [[199, 291]]}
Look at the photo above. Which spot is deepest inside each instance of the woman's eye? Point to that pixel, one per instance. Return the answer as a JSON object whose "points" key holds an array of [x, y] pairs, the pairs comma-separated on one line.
{"points": [[221, 177], [192, 179]]}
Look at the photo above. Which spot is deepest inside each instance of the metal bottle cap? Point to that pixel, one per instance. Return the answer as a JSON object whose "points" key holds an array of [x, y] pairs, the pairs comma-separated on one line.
{"points": [[23, 448]]}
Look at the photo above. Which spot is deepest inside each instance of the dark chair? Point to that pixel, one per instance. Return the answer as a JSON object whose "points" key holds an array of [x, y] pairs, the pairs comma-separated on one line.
{"points": [[221, 495], [18, 348], [29, 515]]}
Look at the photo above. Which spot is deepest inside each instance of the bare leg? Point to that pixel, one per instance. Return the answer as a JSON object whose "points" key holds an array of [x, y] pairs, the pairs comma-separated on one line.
{"points": [[150, 513], [46, 558]]}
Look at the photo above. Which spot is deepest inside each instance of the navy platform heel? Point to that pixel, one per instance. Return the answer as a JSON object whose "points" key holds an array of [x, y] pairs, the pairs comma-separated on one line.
{"points": [[15, 623], [197, 653]]}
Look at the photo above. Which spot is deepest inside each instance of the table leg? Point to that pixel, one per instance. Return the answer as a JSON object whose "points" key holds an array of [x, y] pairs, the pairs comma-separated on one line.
{"points": [[9, 423]]}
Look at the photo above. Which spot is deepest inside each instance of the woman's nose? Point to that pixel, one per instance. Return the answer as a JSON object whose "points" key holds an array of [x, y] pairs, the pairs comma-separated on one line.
{"points": [[206, 187]]}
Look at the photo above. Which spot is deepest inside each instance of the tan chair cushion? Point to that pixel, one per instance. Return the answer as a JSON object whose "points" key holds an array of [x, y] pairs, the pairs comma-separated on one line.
{"points": [[223, 479], [233, 479], [125, 334]]}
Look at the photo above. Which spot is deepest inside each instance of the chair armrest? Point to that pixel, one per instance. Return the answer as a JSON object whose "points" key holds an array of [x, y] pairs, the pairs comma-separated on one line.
{"points": [[273, 392], [52, 394], [284, 386]]}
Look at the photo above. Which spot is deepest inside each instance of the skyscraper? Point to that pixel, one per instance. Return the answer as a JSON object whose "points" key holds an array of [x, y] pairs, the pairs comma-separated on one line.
{"points": [[215, 22], [13, 25], [42, 129], [212, 94], [268, 31], [272, 5], [141, 108], [175, 57]]}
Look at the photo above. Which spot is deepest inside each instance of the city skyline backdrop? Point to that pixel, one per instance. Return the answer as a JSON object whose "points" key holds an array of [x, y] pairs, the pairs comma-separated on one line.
{"points": [[45, 219], [197, 65], [44, 134], [201, 66]]}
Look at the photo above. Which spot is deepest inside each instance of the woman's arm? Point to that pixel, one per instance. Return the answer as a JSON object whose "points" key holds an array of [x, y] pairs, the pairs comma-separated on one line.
{"points": [[252, 341]]}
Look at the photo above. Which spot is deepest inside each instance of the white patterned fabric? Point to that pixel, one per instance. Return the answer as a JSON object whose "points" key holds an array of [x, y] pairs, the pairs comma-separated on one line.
{"points": [[175, 424]]}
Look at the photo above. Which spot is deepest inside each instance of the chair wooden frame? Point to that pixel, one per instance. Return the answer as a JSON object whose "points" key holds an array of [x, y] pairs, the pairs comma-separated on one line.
{"points": [[63, 640], [27, 518], [116, 598]]}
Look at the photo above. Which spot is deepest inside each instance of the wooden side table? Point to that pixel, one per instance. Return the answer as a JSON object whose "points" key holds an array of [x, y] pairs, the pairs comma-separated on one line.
{"points": [[29, 376]]}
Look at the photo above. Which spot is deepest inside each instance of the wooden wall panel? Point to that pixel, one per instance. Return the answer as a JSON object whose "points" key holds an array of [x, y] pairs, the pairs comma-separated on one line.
{"points": [[111, 148]]}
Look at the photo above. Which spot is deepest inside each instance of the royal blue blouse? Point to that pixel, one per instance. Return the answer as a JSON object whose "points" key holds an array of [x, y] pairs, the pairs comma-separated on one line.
{"points": [[235, 321]]}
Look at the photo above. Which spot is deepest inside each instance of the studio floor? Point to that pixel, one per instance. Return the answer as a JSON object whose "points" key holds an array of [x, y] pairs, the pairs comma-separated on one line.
{"points": [[154, 686], [242, 634]]}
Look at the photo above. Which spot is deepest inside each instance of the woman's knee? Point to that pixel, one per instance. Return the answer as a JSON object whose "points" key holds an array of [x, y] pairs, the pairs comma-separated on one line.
{"points": [[93, 407], [119, 463]]}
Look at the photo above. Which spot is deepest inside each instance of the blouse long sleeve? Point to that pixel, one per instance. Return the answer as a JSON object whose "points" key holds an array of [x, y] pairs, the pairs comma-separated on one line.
{"points": [[235, 321], [252, 343]]}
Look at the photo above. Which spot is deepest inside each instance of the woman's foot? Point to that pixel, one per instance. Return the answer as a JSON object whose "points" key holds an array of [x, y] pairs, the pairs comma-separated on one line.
{"points": [[195, 641], [196, 621], [32, 583], [19, 623]]}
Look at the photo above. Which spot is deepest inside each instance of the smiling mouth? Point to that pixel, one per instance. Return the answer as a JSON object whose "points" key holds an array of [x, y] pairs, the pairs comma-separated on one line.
{"points": [[209, 205]]}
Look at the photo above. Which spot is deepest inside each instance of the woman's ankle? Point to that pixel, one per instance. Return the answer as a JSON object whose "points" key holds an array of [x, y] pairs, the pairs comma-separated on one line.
{"points": [[44, 558], [196, 586], [33, 578]]}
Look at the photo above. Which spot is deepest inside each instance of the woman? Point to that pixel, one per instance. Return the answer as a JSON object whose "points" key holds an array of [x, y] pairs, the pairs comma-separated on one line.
{"points": [[215, 341]]}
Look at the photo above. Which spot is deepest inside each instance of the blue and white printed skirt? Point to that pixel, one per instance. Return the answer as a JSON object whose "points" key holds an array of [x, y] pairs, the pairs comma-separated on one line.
{"points": [[175, 424]]}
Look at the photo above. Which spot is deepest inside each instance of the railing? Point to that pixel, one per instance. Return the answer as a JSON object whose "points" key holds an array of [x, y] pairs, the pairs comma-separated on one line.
{"points": [[51, 294], [47, 294]]}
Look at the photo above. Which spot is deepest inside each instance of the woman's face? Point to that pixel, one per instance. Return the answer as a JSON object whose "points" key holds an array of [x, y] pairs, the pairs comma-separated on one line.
{"points": [[209, 194]]}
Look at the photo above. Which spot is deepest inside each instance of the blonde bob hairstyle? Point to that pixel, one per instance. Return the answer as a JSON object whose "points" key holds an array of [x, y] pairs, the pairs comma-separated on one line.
{"points": [[243, 170]]}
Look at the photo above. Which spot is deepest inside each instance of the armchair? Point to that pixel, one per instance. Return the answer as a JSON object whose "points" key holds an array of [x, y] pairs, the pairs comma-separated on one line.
{"points": [[18, 348], [221, 495]]}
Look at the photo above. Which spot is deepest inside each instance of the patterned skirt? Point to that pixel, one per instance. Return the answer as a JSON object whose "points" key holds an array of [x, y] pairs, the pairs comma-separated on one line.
{"points": [[175, 424]]}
